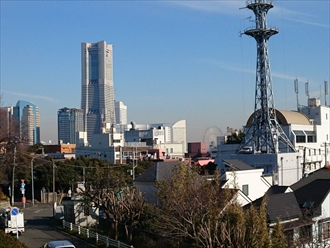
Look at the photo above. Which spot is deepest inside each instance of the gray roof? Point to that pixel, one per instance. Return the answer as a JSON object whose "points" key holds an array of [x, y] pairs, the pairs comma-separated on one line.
{"points": [[323, 173], [312, 195], [237, 164], [279, 204], [157, 172], [283, 206]]}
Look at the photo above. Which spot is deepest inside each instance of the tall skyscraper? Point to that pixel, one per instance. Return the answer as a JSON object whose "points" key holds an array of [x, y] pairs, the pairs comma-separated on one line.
{"points": [[97, 93], [121, 113], [69, 121], [27, 115]]}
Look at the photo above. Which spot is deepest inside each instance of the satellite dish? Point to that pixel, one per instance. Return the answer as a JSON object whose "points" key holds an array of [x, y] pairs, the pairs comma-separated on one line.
{"points": [[210, 136]]}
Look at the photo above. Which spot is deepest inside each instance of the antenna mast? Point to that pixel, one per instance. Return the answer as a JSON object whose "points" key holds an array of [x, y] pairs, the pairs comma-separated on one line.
{"points": [[265, 133], [307, 92], [297, 91], [325, 92]]}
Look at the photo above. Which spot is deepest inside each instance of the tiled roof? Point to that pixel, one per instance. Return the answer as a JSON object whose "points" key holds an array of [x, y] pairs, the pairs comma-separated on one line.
{"points": [[323, 173], [283, 206], [237, 164], [279, 204], [312, 195]]}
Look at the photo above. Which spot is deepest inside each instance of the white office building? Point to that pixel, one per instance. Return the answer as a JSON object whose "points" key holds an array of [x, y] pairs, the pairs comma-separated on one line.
{"points": [[308, 130], [121, 113], [112, 144]]}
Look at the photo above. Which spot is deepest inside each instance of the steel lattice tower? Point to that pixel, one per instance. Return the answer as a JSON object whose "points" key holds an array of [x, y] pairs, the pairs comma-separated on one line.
{"points": [[265, 133]]}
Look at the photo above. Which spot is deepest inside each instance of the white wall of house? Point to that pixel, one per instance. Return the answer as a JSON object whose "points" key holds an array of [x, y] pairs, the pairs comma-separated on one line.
{"points": [[322, 223], [250, 183], [173, 150]]}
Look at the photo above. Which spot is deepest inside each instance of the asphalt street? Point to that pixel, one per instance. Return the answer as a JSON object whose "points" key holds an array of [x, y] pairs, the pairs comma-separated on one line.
{"points": [[41, 228]]}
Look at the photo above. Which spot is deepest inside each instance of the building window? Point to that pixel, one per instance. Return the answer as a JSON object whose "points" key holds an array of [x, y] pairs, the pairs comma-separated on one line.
{"points": [[289, 237], [245, 189], [300, 136], [326, 230], [171, 150], [305, 233], [311, 136]]}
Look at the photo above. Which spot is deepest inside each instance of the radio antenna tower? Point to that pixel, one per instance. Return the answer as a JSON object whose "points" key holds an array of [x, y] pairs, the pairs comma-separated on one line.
{"points": [[325, 92], [265, 135], [297, 91]]}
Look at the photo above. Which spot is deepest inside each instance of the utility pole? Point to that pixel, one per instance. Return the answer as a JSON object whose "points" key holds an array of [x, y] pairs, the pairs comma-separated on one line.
{"points": [[54, 200], [13, 179], [325, 153], [304, 162], [134, 164], [32, 182]]}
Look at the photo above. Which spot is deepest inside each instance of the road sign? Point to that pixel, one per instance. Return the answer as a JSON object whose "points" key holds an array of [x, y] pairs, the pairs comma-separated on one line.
{"points": [[22, 184], [14, 211]]}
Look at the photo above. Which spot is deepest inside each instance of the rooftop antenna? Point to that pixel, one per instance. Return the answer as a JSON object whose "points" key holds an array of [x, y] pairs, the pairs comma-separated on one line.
{"points": [[307, 91], [297, 91], [325, 92], [265, 133]]}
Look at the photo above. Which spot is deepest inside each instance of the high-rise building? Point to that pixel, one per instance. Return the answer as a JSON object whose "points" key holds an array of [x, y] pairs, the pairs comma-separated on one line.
{"points": [[121, 113], [6, 124], [27, 116], [97, 94], [69, 122]]}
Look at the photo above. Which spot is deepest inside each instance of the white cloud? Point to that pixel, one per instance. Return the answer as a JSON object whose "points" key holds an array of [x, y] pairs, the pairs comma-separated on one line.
{"points": [[226, 7], [309, 23], [232, 7], [47, 98], [226, 66]]}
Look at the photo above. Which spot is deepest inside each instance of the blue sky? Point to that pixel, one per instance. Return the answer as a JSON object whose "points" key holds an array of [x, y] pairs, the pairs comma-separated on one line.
{"points": [[173, 60]]}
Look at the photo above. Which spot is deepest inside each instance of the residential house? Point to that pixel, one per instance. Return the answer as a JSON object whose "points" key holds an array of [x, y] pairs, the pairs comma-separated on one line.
{"points": [[303, 209], [248, 180]]}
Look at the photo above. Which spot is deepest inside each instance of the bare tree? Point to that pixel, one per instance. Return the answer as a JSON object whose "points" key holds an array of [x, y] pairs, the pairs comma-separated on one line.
{"points": [[133, 203], [199, 211]]}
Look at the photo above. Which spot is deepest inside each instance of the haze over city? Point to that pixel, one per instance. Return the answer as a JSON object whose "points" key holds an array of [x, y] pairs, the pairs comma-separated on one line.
{"points": [[172, 60]]}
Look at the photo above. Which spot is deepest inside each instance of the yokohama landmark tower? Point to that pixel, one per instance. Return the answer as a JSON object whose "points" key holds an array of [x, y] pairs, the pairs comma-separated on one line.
{"points": [[97, 91]]}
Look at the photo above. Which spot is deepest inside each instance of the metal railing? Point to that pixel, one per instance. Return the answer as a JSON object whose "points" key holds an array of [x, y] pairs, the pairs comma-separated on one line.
{"points": [[91, 234]]}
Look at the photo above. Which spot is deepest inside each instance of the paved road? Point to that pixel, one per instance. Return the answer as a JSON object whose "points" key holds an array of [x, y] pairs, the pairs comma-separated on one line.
{"points": [[40, 228]]}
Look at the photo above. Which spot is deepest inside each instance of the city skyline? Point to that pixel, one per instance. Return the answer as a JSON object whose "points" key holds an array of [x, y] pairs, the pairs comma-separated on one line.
{"points": [[172, 60]]}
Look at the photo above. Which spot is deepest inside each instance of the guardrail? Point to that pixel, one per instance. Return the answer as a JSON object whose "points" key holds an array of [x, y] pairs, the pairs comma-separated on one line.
{"points": [[91, 234]]}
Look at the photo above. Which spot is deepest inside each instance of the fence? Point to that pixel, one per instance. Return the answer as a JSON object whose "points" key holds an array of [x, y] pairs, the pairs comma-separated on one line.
{"points": [[91, 234]]}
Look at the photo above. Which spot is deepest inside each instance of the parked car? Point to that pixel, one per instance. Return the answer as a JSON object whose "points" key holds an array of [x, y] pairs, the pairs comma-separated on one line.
{"points": [[58, 244]]}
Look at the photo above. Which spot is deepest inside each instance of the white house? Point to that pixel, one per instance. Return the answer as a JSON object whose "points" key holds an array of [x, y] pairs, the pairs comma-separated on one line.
{"points": [[77, 213], [303, 209], [249, 181]]}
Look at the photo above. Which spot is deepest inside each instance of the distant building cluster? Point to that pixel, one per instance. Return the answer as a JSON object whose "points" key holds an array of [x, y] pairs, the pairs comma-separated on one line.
{"points": [[23, 119], [100, 128]]}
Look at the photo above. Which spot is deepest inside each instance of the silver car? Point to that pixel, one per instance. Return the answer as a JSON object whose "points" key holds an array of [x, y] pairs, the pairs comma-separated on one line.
{"points": [[58, 244]]}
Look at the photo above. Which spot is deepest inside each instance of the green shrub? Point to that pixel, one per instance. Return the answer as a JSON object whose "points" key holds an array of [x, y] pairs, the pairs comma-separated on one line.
{"points": [[9, 241]]}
